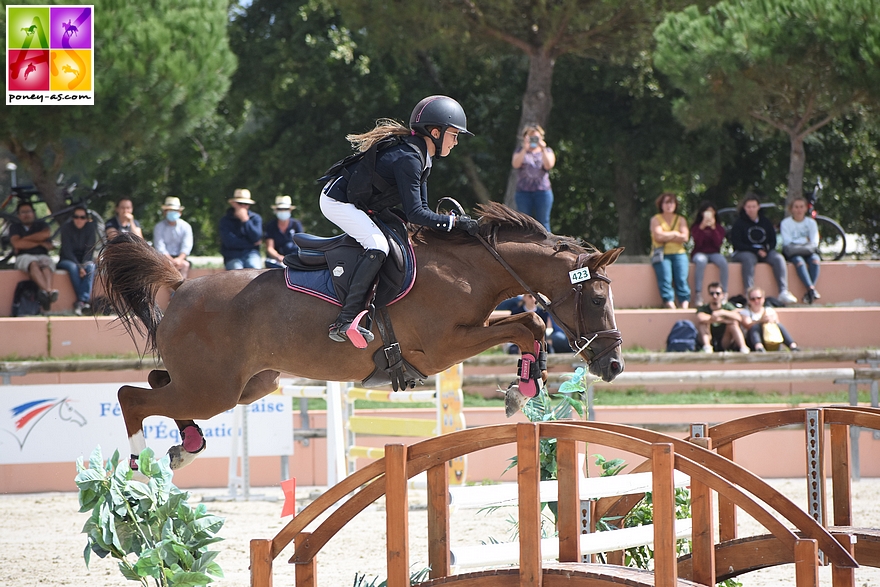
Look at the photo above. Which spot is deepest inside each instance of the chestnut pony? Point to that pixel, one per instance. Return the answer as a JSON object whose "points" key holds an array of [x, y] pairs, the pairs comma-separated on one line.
{"points": [[225, 338]]}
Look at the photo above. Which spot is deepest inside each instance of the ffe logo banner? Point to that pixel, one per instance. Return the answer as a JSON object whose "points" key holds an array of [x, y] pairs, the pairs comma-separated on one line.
{"points": [[50, 55]]}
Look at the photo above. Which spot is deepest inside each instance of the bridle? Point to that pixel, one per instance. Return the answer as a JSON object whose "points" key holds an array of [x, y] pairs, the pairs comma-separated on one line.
{"points": [[582, 339]]}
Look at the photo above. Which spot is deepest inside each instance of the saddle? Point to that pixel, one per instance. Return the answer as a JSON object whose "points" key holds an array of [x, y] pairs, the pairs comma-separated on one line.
{"points": [[322, 268]]}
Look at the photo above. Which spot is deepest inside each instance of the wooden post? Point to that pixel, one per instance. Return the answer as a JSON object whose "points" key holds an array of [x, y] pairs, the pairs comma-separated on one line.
{"points": [[438, 521], [726, 508], [396, 515], [528, 474], [806, 563], [261, 562], [306, 573], [841, 482], [663, 496], [568, 507], [841, 577], [703, 524]]}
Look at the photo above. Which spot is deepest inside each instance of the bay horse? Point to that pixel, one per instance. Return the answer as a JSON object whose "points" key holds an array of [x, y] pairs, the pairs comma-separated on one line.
{"points": [[225, 338]]}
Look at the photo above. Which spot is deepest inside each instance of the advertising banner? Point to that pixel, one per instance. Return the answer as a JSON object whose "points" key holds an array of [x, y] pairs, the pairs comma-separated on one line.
{"points": [[58, 423]]}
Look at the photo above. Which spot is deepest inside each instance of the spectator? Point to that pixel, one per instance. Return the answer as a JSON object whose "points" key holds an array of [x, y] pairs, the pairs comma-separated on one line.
{"points": [[718, 323], [30, 239], [241, 232], [800, 245], [708, 235], [173, 236], [279, 234], [557, 342], [79, 235], [754, 241], [533, 160], [123, 220], [755, 316], [669, 233]]}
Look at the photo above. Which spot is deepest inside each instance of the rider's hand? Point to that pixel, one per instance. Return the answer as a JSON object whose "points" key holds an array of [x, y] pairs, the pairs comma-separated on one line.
{"points": [[467, 224]]}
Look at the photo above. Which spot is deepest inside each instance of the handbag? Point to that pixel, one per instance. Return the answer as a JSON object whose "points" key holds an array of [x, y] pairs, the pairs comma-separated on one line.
{"points": [[772, 336], [789, 251], [657, 255]]}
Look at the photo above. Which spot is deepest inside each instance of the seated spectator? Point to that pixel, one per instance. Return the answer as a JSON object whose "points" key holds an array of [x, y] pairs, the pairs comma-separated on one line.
{"points": [[800, 245], [79, 236], [669, 233], [123, 220], [241, 233], [30, 239], [708, 235], [754, 241], [718, 323], [173, 236], [557, 342], [279, 234], [755, 316]]}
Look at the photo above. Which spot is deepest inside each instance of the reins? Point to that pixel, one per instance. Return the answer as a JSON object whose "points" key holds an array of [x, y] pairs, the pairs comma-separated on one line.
{"points": [[581, 341]]}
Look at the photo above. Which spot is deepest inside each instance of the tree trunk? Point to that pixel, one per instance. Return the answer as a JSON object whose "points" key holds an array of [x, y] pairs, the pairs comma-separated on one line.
{"points": [[537, 102], [630, 232], [42, 177], [795, 168], [473, 174]]}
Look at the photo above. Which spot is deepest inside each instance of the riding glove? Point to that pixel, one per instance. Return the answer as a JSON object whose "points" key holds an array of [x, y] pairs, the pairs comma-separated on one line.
{"points": [[467, 224]]}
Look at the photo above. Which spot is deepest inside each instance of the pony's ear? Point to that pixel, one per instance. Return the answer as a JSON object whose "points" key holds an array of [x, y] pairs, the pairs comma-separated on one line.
{"points": [[608, 257]]}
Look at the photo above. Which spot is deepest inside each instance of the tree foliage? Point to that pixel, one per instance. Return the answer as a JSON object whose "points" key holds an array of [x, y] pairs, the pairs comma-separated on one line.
{"points": [[790, 65], [160, 68]]}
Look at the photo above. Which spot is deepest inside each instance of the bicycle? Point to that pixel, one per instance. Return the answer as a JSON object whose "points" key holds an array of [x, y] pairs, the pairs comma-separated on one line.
{"points": [[54, 219], [832, 237]]}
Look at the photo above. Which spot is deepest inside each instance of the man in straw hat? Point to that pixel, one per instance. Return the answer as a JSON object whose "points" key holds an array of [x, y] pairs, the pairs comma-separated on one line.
{"points": [[279, 234], [241, 233], [173, 236]]}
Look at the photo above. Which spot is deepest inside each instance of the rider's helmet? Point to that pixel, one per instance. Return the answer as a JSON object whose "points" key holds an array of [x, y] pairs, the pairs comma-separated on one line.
{"points": [[441, 112]]}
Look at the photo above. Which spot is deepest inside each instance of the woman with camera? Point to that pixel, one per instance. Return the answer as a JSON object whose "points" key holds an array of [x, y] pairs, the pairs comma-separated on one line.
{"points": [[708, 235], [534, 160], [800, 246]]}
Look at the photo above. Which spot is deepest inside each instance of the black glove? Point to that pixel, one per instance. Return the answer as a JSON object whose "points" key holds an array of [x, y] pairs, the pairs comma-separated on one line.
{"points": [[467, 224]]}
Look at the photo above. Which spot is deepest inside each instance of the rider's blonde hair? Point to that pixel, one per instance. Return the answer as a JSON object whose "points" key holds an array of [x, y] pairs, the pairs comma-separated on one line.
{"points": [[385, 127]]}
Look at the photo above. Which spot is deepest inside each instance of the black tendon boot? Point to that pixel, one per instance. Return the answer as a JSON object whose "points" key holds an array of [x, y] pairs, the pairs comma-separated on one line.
{"points": [[353, 308]]}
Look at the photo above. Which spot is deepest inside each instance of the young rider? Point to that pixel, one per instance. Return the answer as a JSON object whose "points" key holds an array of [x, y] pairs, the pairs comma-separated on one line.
{"points": [[434, 126]]}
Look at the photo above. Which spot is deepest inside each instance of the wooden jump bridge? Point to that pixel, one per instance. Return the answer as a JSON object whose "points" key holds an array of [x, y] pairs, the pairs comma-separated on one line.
{"points": [[707, 457]]}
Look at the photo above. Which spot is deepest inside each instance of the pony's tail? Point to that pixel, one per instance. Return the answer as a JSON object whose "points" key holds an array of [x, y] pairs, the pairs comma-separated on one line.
{"points": [[131, 273]]}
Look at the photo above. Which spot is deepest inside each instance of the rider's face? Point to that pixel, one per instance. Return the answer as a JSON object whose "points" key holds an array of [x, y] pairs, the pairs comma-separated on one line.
{"points": [[450, 139]]}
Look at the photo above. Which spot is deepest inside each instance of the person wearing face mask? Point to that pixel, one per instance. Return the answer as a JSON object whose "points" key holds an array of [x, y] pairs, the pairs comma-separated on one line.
{"points": [[173, 236], [279, 234]]}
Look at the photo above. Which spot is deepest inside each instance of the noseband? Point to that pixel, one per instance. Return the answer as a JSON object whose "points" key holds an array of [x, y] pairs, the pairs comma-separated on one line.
{"points": [[582, 338]]}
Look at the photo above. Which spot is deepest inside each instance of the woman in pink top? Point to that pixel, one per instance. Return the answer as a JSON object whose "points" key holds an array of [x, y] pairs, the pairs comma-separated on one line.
{"points": [[708, 235]]}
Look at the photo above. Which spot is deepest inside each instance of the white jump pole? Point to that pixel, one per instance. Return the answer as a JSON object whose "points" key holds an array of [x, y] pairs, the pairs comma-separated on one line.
{"points": [[336, 463]]}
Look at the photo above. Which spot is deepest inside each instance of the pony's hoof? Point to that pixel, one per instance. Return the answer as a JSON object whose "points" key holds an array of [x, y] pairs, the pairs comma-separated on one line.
{"points": [[514, 400], [180, 457], [138, 476]]}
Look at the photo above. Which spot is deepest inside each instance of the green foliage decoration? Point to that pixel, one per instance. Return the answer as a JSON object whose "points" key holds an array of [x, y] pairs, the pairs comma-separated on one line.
{"points": [[149, 527]]}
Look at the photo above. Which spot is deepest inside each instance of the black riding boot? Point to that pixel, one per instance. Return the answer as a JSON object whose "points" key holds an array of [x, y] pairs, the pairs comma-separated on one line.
{"points": [[345, 327]]}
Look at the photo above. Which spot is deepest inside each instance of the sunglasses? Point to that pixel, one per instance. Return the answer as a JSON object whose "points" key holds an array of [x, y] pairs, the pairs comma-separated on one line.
{"points": [[757, 298], [75, 217], [716, 293]]}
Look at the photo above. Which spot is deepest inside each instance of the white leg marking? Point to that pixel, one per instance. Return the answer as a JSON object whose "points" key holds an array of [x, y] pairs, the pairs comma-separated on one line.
{"points": [[137, 442]]}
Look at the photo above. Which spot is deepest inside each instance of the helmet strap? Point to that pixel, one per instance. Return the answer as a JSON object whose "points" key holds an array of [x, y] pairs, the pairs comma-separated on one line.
{"points": [[438, 142]]}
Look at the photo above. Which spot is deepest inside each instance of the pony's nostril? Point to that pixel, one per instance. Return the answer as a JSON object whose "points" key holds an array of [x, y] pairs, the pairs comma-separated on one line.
{"points": [[616, 367]]}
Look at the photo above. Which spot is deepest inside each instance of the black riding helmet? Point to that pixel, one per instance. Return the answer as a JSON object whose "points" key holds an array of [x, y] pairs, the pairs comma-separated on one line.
{"points": [[439, 111]]}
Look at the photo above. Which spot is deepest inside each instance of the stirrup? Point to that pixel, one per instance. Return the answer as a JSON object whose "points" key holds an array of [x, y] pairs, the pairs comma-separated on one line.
{"points": [[358, 336]]}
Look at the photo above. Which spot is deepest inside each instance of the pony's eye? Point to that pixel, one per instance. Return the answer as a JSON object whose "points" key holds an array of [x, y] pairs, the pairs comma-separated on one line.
{"points": [[598, 301]]}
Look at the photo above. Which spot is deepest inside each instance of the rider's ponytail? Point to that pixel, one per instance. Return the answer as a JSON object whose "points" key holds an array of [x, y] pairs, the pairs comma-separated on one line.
{"points": [[385, 127]]}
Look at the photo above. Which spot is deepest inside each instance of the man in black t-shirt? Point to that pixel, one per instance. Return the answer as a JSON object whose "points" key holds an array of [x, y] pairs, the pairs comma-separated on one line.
{"points": [[718, 323], [31, 240]]}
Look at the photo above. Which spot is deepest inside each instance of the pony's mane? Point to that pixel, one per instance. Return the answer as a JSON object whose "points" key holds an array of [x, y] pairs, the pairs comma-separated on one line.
{"points": [[495, 216]]}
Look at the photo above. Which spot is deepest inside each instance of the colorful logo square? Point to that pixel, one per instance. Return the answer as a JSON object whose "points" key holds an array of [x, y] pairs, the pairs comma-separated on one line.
{"points": [[28, 71], [27, 27], [69, 71], [71, 27]]}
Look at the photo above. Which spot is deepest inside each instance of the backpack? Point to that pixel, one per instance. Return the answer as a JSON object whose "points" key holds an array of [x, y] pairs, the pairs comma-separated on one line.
{"points": [[682, 337], [360, 171], [24, 300]]}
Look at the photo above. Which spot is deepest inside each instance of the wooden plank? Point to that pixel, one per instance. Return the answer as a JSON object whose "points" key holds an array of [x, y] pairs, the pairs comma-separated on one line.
{"points": [[663, 498], [390, 426], [844, 577], [261, 562], [841, 483], [806, 563], [306, 574], [703, 535], [726, 507], [438, 521], [568, 506], [396, 515], [528, 473]]}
